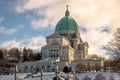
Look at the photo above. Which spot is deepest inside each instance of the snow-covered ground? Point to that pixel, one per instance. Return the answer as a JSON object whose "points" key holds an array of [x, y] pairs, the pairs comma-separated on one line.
{"points": [[92, 75], [50, 75]]}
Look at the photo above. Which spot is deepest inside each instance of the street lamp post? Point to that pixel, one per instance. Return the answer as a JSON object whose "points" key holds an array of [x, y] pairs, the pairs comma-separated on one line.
{"points": [[16, 72], [68, 72], [57, 72], [68, 76], [56, 67], [41, 78]]}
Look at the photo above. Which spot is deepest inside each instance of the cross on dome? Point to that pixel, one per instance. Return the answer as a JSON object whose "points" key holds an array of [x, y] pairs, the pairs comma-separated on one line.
{"points": [[67, 13]]}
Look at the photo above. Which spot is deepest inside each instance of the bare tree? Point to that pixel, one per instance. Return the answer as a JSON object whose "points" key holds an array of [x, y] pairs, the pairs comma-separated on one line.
{"points": [[97, 57], [114, 46], [15, 54]]}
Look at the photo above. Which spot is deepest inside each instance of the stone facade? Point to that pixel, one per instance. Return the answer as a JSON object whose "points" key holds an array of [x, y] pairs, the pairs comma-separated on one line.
{"points": [[92, 64], [64, 47]]}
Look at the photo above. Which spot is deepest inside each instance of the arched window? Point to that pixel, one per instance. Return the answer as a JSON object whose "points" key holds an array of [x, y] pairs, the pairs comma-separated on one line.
{"points": [[48, 68], [56, 55], [43, 67], [55, 44], [26, 68], [51, 55], [32, 68]]}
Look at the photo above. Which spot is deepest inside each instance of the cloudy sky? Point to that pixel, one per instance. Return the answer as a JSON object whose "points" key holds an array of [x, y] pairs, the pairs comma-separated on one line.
{"points": [[28, 22]]}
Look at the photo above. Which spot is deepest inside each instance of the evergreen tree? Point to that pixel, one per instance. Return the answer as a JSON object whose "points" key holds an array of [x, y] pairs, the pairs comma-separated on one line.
{"points": [[66, 69], [18, 55], [38, 56], [1, 54], [25, 56], [15, 54]]}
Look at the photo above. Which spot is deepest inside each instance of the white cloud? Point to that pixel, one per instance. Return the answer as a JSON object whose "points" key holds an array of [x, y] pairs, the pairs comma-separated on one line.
{"points": [[38, 24], [31, 4], [96, 38], [45, 9], [7, 31], [20, 26], [94, 15], [10, 44], [1, 19], [34, 43]]}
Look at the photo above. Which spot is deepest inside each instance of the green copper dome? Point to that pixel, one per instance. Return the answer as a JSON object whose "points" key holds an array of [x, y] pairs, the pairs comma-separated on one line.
{"points": [[67, 23]]}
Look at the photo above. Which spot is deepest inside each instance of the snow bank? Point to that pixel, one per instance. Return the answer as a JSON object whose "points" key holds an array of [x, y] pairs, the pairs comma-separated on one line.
{"points": [[50, 75]]}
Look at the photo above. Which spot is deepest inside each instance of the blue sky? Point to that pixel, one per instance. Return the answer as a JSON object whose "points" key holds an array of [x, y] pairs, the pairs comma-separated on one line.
{"points": [[26, 23], [17, 24]]}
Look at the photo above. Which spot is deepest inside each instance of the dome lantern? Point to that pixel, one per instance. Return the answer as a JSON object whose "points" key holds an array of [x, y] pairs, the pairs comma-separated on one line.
{"points": [[67, 13]]}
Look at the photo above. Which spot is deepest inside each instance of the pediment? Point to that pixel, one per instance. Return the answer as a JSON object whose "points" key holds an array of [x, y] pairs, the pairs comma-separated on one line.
{"points": [[54, 36]]}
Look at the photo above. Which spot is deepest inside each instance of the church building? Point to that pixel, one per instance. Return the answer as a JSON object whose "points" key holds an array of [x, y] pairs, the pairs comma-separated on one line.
{"points": [[65, 44], [63, 48]]}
